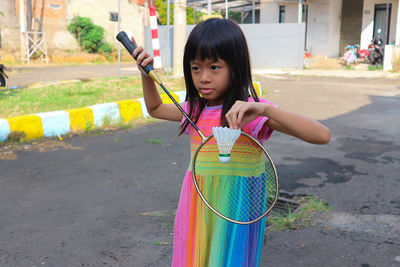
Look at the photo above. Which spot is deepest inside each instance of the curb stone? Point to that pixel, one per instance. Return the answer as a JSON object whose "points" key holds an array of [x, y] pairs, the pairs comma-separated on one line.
{"points": [[56, 123]]}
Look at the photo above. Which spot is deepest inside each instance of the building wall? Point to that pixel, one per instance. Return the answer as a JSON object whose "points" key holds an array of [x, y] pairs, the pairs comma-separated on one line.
{"points": [[269, 12], [350, 31], [273, 45], [323, 34], [291, 13], [52, 17], [99, 11], [368, 21], [323, 29], [9, 26]]}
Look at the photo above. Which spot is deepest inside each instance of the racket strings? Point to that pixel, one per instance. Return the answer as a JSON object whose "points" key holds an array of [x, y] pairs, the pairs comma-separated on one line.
{"points": [[243, 189]]}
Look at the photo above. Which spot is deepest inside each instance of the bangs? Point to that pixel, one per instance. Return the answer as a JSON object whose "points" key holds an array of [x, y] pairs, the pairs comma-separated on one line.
{"points": [[204, 45], [206, 49]]}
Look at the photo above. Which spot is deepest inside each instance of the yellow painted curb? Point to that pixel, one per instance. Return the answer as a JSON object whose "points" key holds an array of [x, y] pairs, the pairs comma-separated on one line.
{"points": [[81, 119], [166, 100], [129, 109], [31, 125]]}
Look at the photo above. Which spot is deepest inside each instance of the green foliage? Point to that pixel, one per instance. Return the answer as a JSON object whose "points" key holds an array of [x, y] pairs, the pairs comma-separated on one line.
{"points": [[299, 218], [155, 141], [162, 9], [89, 36], [1, 13], [375, 67], [233, 15]]}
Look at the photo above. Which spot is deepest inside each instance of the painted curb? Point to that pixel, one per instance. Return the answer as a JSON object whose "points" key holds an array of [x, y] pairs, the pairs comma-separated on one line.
{"points": [[55, 123]]}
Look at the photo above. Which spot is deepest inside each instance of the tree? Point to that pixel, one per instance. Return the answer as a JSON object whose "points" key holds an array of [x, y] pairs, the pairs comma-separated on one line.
{"points": [[162, 9], [89, 36]]}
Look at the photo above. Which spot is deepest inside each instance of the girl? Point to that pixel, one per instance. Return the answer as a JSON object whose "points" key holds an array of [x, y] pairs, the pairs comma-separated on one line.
{"points": [[218, 80]]}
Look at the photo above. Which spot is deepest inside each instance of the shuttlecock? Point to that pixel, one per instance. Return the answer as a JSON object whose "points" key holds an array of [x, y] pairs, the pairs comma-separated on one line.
{"points": [[226, 138]]}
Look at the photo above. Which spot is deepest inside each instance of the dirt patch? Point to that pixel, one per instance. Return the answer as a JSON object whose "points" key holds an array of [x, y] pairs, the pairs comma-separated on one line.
{"points": [[9, 151], [326, 63]]}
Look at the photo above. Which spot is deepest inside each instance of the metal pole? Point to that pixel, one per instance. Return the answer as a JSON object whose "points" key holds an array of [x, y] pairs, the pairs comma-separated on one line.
{"points": [[22, 26], [254, 12], [299, 12], [226, 9], [306, 21], [209, 7], [28, 15], [168, 38], [387, 23], [146, 13], [119, 43]]}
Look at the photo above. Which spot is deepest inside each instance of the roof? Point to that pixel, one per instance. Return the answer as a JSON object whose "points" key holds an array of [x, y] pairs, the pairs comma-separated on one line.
{"points": [[233, 5]]}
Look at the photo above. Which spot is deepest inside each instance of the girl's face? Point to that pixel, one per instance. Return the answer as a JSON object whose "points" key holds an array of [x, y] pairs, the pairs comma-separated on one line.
{"points": [[211, 79]]}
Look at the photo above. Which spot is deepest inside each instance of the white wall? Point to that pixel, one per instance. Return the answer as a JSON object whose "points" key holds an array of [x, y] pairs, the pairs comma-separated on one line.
{"points": [[99, 12], [368, 21], [269, 12], [274, 45], [323, 34], [324, 16], [292, 13]]}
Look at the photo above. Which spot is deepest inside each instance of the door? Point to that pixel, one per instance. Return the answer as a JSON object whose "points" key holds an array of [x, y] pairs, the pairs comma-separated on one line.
{"points": [[380, 21]]}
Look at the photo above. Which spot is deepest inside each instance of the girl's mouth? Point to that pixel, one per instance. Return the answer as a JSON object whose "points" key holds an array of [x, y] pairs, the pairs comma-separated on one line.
{"points": [[206, 91]]}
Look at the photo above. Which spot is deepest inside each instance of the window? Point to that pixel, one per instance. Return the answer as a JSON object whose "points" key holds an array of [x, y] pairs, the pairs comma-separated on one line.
{"points": [[281, 14], [55, 6], [114, 16]]}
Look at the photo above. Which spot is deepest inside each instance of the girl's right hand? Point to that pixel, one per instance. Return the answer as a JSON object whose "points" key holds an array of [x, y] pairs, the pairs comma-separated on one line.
{"points": [[143, 58]]}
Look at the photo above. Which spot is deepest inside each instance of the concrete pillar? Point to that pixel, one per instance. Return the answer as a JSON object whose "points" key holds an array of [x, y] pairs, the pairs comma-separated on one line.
{"points": [[179, 35], [300, 11], [397, 34]]}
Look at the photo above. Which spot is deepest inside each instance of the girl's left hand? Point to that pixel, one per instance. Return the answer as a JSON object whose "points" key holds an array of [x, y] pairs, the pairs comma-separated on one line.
{"points": [[242, 113]]}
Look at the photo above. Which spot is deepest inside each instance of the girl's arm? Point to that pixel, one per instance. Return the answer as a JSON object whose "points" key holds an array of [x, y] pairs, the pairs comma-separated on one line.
{"points": [[155, 107], [287, 122]]}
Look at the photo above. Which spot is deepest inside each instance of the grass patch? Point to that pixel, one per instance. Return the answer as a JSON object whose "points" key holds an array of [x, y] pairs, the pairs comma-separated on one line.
{"points": [[349, 67], [74, 95], [155, 141], [375, 67], [299, 218]]}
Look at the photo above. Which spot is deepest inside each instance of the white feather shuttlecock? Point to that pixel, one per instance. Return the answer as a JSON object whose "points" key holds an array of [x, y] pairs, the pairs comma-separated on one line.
{"points": [[226, 138]]}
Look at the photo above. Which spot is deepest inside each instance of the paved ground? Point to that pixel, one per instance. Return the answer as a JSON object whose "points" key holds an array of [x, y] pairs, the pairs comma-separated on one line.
{"points": [[109, 199], [23, 76]]}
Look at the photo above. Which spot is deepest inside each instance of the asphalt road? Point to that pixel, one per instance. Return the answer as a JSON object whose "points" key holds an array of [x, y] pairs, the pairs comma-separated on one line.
{"points": [[24, 76], [109, 199]]}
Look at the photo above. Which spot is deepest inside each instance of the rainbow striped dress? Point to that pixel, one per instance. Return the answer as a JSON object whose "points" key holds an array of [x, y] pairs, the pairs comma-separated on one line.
{"points": [[202, 238]]}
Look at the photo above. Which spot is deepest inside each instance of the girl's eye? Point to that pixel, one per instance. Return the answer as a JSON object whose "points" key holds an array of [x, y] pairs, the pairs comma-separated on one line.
{"points": [[213, 67], [195, 68]]}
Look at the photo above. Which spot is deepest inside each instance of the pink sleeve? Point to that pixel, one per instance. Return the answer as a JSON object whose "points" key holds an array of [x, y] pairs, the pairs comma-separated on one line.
{"points": [[258, 127]]}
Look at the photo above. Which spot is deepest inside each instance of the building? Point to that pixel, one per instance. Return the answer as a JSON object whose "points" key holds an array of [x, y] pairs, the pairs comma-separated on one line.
{"points": [[333, 24], [53, 16]]}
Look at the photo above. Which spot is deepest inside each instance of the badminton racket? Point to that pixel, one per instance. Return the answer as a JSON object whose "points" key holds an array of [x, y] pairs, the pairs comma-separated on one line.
{"points": [[242, 189]]}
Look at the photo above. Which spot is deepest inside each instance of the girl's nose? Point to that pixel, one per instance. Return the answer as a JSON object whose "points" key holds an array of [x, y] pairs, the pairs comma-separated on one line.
{"points": [[204, 77]]}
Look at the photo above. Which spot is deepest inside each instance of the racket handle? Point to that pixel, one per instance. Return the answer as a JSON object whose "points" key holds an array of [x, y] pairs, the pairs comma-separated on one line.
{"points": [[127, 43]]}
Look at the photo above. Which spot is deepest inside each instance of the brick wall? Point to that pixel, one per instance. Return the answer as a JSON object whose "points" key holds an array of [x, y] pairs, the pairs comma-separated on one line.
{"points": [[53, 16]]}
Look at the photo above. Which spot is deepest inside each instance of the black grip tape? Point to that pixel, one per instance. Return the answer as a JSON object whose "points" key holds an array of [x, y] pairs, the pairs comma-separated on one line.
{"points": [[127, 43]]}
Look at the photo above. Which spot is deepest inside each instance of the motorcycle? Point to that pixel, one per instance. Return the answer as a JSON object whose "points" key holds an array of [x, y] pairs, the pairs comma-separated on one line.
{"points": [[3, 75], [375, 53]]}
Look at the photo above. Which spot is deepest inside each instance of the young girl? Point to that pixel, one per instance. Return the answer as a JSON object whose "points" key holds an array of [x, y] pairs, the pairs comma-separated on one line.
{"points": [[218, 80]]}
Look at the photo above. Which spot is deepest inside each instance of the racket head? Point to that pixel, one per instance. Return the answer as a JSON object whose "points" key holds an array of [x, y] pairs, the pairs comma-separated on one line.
{"points": [[241, 191]]}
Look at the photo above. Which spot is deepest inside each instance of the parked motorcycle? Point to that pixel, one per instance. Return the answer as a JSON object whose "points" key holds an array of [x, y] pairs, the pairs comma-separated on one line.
{"points": [[375, 54], [376, 49], [3, 75]]}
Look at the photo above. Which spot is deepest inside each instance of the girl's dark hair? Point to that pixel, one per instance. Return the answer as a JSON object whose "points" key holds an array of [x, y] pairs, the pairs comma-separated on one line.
{"points": [[212, 39]]}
